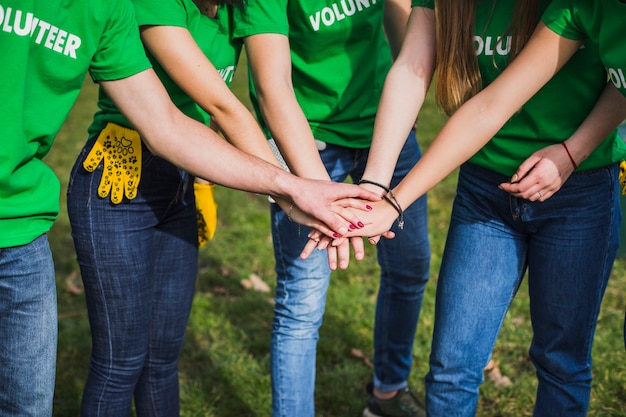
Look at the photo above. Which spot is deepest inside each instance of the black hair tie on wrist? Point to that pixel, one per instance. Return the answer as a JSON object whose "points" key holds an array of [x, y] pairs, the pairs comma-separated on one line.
{"points": [[393, 200]]}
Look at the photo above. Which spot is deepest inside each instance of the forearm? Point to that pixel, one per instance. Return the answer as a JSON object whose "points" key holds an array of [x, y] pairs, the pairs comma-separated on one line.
{"points": [[401, 100], [179, 54], [197, 149], [188, 143], [439, 160], [609, 111], [475, 123], [208, 156], [270, 64], [468, 130], [544, 172], [403, 95], [241, 129], [290, 129]]}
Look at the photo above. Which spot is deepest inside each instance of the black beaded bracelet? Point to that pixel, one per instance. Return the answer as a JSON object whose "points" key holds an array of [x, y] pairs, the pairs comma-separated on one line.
{"points": [[393, 203], [376, 184], [396, 205]]}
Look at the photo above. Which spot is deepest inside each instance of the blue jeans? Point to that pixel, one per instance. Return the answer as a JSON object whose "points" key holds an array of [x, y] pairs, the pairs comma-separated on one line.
{"points": [[301, 293], [567, 243], [28, 329], [138, 261]]}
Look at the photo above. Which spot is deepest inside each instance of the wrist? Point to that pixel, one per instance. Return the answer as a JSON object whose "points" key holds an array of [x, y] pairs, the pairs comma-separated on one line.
{"points": [[284, 185], [376, 190], [389, 197], [375, 186], [571, 158]]}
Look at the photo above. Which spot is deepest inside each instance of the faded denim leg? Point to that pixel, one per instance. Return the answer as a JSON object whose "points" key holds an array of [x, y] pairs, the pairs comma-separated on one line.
{"points": [[28, 330]]}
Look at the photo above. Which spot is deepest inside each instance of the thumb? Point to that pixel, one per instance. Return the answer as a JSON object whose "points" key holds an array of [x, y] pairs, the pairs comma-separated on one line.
{"points": [[525, 168]]}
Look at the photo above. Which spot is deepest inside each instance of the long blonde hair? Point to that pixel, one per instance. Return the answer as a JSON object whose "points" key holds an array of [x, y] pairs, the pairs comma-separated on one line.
{"points": [[458, 75]]}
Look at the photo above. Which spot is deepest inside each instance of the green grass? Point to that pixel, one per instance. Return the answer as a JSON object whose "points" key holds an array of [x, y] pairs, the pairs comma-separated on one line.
{"points": [[224, 368]]}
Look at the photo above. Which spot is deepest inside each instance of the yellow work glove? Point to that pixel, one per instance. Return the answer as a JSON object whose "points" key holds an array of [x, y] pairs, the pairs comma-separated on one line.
{"points": [[622, 176], [120, 148], [206, 209]]}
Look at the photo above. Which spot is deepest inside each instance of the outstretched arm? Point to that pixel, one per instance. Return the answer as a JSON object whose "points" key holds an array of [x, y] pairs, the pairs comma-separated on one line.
{"points": [[269, 58], [478, 120], [403, 95], [199, 150], [193, 72], [482, 116], [179, 54]]}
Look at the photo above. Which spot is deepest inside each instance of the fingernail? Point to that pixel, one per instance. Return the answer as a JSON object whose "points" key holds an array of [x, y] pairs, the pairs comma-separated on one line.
{"points": [[368, 207], [336, 235], [352, 227], [360, 224]]}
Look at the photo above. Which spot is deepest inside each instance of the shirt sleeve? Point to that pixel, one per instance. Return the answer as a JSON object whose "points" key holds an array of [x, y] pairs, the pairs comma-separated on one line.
{"points": [[262, 16], [119, 53], [560, 17], [429, 4], [162, 12]]}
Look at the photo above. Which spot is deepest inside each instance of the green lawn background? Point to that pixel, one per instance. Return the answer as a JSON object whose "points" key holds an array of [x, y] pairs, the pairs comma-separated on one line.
{"points": [[224, 367]]}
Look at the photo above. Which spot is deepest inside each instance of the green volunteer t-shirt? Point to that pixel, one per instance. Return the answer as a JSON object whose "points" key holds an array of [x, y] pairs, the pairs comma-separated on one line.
{"points": [[213, 36], [554, 113], [600, 21], [47, 49], [340, 58]]}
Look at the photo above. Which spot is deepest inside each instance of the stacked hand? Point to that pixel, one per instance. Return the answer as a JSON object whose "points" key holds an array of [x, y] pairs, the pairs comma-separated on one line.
{"points": [[350, 210], [537, 179], [326, 206], [375, 220]]}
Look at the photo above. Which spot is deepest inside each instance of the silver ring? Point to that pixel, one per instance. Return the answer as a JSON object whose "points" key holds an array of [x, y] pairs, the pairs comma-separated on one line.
{"points": [[540, 195]]}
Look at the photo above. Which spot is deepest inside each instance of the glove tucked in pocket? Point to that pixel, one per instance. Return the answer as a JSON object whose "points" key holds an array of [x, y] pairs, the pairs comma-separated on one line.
{"points": [[120, 148], [206, 209]]}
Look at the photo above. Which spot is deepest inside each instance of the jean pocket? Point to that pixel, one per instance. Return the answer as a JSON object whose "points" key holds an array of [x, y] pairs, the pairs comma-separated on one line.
{"points": [[146, 155], [78, 164]]}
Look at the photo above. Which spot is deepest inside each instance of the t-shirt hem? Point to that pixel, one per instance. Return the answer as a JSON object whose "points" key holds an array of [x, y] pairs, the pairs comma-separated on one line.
{"points": [[24, 238], [120, 72], [259, 30], [162, 22]]}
